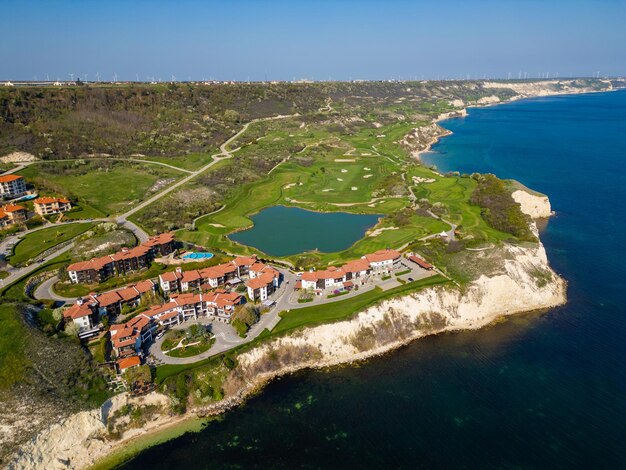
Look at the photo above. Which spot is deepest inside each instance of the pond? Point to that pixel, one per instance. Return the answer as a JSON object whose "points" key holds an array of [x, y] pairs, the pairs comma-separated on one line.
{"points": [[284, 231]]}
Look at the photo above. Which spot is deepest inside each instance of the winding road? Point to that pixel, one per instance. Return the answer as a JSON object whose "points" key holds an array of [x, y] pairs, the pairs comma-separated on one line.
{"points": [[225, 153]]}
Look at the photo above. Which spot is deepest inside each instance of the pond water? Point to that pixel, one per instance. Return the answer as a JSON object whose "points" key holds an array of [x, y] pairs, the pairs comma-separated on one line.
{"points": [[284, 231]]}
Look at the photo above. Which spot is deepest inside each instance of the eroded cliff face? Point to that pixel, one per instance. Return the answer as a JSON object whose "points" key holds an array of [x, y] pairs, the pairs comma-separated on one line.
{"points": [[526, 283], [534, 205]]}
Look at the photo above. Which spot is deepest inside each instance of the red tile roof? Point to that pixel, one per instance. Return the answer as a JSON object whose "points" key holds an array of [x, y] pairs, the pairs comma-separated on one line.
{"points": [[382, 255], [171, 276], [244, 260], [78, 311], [128, 362], [420, 262], [50, 200], [263, 280], [7, 178], [13, 208], [95, 264], [108, 298], [356, 266], [160, 239]]}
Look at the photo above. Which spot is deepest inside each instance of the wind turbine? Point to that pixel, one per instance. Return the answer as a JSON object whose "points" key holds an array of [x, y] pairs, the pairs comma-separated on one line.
{"points": [[114, 77], [98, 77], [47, 77], [71, 76]]}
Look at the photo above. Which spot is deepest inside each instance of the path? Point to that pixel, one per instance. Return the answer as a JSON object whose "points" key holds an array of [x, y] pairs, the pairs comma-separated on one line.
{"points": [[44, 291], [225, 336], [222, 155], [16, 273]]}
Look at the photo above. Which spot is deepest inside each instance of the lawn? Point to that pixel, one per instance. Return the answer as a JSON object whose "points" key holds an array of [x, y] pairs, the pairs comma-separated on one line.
{"points": [[42, 240], [111, 190], [192, 161], [12, 345], [340, 310]]}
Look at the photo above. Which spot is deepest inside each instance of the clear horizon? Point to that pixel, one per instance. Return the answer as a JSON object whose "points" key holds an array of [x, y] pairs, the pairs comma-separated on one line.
{"points": [[342, 40]]}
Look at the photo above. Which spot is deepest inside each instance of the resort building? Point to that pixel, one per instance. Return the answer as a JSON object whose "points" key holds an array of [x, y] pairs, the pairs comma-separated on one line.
{"points": [[12, 214], [380, 262], [207, 278], [170, 281], [181, 307], [421, 263], [51, 205], [161, 245], [12, 186], [263, 281], [121, 263], [383, 260], [84, 314], [111, 303]]}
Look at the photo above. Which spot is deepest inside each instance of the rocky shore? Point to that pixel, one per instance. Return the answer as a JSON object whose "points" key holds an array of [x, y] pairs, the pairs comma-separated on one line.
{"points": [[522, 282]]}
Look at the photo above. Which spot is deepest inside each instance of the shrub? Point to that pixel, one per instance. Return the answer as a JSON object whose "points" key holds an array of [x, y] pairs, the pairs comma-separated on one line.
{"points": [[499, 209]]}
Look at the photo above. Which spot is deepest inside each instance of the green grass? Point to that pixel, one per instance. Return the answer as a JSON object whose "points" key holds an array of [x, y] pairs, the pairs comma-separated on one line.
{"points": [[342, 309], [109, 192], [14, 363], [190, 351], [192, 161], [15, 291], [37, 242], [4, 274]]}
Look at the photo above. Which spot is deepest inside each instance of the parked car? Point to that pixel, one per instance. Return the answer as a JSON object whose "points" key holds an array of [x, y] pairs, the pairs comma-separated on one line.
{"points": [[160, 335], [411, 279]]}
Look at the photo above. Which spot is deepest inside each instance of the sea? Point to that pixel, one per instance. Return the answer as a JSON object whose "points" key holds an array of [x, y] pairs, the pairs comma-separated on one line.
{"points": [[545, 390]]}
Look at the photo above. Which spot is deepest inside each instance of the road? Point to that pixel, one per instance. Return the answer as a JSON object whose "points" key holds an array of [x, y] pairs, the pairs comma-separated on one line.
{"points": [[44, 291], [16, 273], [226, 338], [225, 153]]}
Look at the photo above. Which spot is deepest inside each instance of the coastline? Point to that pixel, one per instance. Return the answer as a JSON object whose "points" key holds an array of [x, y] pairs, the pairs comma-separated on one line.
{"points": [[477, 307], [170, 424], [464, 112]]}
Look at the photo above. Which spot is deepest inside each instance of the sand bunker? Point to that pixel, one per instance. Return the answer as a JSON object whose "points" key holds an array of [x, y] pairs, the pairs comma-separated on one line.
{"points": [[290, 185], [367, 176], [339, 179], [367, 169], [344, 171], [354, 188], [326, 190], [417, 179], [345, 160]]}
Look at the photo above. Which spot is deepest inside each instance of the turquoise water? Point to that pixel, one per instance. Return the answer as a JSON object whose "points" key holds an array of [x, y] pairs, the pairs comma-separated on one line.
{"points": [[284, 231], [198, 256], [537, 391]]}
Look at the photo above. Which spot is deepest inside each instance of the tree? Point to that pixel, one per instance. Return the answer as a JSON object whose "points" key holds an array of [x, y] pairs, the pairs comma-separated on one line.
{"points": [[72, 329]]}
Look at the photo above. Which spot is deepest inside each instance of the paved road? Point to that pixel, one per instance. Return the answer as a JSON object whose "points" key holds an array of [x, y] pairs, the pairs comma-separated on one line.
{"points": [[225, 336], [224, 154], [44, 291], [16, 273], [286, 300]]}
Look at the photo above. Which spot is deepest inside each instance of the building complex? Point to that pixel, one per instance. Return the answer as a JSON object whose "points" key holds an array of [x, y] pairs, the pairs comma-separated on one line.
{"points": [[128, 260]]}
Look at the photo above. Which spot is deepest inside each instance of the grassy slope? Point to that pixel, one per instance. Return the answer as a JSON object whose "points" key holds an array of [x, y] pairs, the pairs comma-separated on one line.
{"points": [[108, 192], [37, 242], [12, 345]]}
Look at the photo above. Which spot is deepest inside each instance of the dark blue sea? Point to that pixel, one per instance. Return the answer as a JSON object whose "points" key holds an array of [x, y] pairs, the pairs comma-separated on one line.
{"points": [[538, 391]]}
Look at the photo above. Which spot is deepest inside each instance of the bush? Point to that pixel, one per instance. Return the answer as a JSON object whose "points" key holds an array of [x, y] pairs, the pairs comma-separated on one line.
{"points": [[499, 209]]}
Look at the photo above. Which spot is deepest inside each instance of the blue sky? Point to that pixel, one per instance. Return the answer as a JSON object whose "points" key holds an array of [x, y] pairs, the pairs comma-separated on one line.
{"points": [[280, 40]]}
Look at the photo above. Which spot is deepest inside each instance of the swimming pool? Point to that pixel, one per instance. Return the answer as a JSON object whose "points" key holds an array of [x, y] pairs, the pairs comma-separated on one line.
{"points": [[198, 256]]}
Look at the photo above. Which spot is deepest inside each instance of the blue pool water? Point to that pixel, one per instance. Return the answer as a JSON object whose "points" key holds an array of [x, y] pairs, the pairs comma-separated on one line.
{"points": [[538, 391], [198, 256]]}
